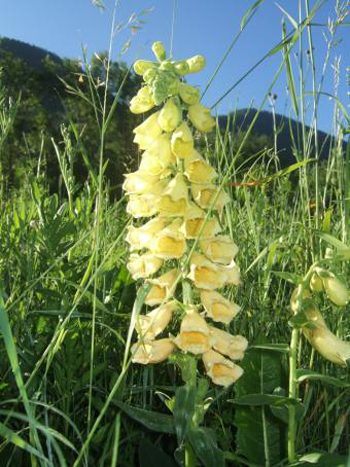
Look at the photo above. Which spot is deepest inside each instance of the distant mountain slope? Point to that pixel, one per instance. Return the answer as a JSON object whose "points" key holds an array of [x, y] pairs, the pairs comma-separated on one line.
{"points": [[32, 55], [264, 126]]}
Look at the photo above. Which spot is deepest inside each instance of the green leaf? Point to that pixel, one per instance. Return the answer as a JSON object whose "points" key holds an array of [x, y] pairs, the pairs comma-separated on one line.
{"points": [[260, 436], [263, 399], [249, 12], [150, 455], [282, 348], [152, 420], [12, 437], [302, 375], [204, 445], [288, 276], [299, 320], [322, 459], [184, 407]]}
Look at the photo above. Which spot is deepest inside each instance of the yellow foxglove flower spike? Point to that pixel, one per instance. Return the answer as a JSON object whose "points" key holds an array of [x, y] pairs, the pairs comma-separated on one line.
{"points": [[176, 184]]}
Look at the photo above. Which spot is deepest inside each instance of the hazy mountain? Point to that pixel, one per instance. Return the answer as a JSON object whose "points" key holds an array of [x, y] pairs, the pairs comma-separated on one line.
{"points": [[264, 126], [32, 55]]}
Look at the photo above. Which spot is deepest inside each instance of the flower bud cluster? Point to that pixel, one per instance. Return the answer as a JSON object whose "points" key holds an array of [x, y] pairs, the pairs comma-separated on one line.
{"points": [[336, 290], [172, 190]]}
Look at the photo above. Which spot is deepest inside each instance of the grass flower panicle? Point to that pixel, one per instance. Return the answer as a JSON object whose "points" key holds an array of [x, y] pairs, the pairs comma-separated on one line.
{"points": [[175, 187]]}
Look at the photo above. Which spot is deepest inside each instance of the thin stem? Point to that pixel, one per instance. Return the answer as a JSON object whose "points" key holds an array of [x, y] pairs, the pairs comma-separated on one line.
{"points": [[190, 458], [292, 425]]}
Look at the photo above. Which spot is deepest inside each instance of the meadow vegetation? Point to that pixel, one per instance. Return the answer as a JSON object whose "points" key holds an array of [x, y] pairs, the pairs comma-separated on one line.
{"points": [[69, 394]]}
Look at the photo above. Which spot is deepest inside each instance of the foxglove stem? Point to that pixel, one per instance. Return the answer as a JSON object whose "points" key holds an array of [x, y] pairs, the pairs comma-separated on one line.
{"points": [[292, 425]]}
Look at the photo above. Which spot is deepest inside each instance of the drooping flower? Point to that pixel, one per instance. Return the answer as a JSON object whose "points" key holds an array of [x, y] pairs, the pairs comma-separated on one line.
{"points": [[169, 243], [182, 143], [189, 94], [221, 370], [139, 238], [205, 274], [201, 118], [197, 170], [163, 287], [204, 196], [217, 307], [170, 116], [336, 290], [141, 267], [219, 249], [142, 102], [227, 344], [153, 323], [153, 351], [194, 334], [148, 131]]}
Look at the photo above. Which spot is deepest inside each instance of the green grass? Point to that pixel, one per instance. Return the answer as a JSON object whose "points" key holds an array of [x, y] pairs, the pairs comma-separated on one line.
{"points": [[68, 394]]}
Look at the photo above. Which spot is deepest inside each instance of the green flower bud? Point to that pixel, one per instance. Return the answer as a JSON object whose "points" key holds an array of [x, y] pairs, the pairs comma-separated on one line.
{"points": [[196, 63], [336, 290], [189, 94], [316, 284], [181, 68], [166, 66], [141, 66], [159, 51], [149, 75]]}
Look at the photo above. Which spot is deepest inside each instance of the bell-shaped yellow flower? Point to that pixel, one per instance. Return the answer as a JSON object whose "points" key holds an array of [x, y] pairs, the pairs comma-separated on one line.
{"points": [[189, 94], [153, 323], [219, 249], [221, 370], [142, 205], [169, 243], [141, 267], [201, 118], [158, 157], [174, 199], [227, 344], [324, 341], [197, 170], [152, 351], [196, 63], [163, 287], [139, 238], [182, 143], [193, 225], [148, 131], [232, 273], [204, 196], [142, 182], [142, 102], [336, 290], [205, 274], [217, 307], [194, 334], [170, 116]]}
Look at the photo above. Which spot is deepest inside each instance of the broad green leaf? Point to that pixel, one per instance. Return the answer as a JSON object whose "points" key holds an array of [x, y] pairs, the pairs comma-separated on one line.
{"points": [[152, 420], [260, 436], [302, 375], [204, 445], [321, 459], [150, 456], [263, 399], [184, 408], [342, 248]]}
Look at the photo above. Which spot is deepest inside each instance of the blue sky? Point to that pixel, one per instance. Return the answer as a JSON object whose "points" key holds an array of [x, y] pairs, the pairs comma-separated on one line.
{"points": [[201, 26]]}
